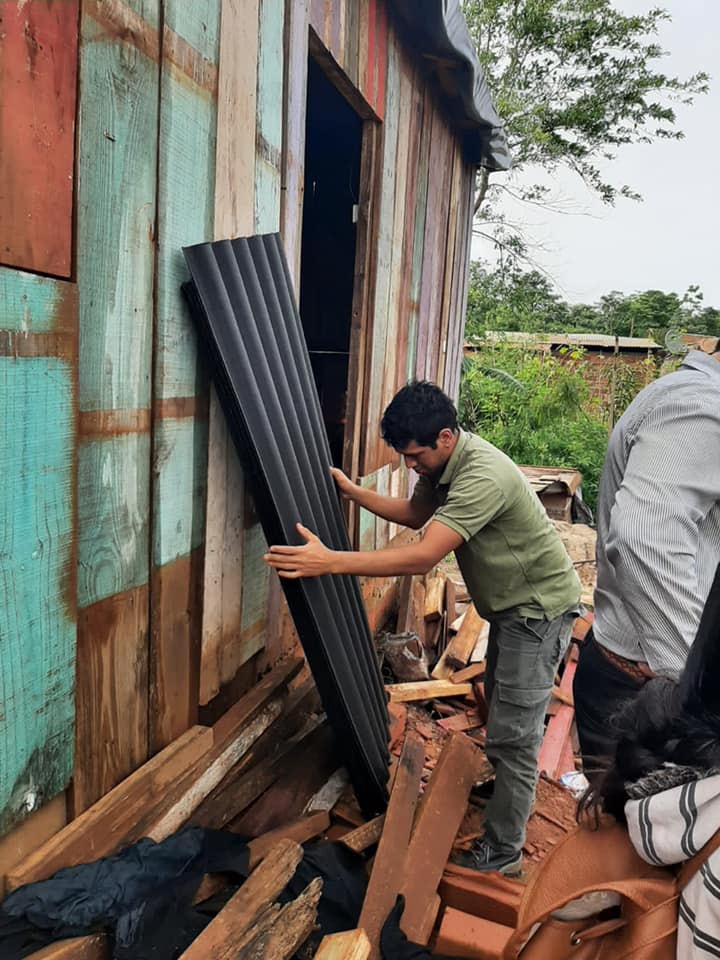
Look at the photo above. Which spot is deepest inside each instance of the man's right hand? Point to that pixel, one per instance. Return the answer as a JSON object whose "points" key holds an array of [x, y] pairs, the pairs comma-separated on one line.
{"points": [[344, 484]]}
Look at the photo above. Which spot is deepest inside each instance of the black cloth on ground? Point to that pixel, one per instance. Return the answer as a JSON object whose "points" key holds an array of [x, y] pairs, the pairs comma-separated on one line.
{"points": [[143, 895]]}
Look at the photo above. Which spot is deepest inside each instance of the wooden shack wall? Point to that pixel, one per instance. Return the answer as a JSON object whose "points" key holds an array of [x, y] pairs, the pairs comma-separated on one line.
{"points": [[132, 556]]}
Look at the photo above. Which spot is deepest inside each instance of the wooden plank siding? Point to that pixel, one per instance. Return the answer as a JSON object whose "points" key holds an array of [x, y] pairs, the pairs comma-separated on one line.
{"points": [[132, 553], [187, 158], [38, 406], [222, 648], [38, 78], [116, 203]]}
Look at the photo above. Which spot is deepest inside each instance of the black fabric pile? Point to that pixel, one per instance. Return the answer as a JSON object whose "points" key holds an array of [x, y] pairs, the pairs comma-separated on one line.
{"points": [[142, 897]]}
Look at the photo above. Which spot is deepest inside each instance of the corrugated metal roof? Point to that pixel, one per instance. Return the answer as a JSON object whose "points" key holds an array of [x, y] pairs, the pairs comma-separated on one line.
{"points": [[440, 33], [563, 339], [241, 298]]}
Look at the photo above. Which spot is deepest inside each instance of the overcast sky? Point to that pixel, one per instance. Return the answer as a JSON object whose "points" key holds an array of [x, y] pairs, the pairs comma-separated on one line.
{"points": [[670, 239]]}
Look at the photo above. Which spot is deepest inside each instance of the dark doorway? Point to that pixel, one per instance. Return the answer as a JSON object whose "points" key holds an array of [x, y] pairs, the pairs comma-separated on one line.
{"points": [[333, 142]]}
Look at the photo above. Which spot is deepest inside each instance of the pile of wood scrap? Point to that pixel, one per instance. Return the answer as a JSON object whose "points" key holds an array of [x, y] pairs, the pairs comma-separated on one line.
{"points": [[434, 811], [431, 635], [255, 771]]}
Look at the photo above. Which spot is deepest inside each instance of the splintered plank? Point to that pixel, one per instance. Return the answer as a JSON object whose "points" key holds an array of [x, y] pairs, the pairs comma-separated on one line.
{"points": [[348, 945], [233, 736], [438, 820], [389, 867], [426, 690], [224, 935], [280, 932], [187, 797], [100, 829], [228, 803]]}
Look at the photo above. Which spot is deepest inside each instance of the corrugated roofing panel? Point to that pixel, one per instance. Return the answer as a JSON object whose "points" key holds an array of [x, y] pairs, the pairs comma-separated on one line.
{"points": [[241, 298]]}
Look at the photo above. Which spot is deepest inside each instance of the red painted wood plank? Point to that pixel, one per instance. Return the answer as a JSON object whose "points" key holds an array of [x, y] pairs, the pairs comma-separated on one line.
{"points": [[557, 734], [38, 77]]}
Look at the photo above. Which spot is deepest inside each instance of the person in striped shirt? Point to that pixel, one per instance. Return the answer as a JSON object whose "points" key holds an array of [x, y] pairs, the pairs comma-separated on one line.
{"points": [[664, 780], [658, 544]]}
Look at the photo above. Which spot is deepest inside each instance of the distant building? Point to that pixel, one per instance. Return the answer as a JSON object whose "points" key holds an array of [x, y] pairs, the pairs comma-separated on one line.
{"points": [[601, 352]]}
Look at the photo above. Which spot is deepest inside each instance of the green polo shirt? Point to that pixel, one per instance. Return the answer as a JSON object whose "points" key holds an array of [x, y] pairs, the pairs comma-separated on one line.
{"points": [[511, 558]]}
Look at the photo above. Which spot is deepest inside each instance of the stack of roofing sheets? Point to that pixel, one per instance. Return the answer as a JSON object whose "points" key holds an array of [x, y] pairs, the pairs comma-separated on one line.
{"points": [[241, 298]]}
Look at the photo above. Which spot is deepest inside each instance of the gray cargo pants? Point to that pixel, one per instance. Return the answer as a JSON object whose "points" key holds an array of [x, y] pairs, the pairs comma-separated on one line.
{"points": [[522, 659]]}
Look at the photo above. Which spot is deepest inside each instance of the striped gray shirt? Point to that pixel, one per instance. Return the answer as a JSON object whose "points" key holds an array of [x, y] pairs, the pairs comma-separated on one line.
{"points": [[659, 518]]}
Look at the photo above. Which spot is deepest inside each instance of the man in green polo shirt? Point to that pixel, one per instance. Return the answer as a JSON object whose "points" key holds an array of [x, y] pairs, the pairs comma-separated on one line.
{"points": [[517, 572]]}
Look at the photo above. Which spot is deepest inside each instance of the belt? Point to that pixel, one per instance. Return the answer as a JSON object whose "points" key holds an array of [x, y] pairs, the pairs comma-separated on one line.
{"points": [[631, 668]]}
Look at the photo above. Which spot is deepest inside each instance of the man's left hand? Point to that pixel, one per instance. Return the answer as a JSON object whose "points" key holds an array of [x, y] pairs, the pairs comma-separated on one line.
{"points": [[313, 559]]}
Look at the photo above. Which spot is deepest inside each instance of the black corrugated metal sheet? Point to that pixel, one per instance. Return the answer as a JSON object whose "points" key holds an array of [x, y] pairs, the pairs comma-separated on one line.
{"points": [[439, 30], [241, 298]]}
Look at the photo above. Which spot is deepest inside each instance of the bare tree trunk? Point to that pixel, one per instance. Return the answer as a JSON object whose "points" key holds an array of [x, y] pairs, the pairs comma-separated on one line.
{"points": [[482, 188]]}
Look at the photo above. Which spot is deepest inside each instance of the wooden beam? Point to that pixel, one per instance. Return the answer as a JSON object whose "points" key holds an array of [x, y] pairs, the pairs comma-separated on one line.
{"points": [[389, 867], [349, 945], [365, 835], [302, 830], [468, 673], [460, 648], [426, 690], [434, 597], [438, 820]]}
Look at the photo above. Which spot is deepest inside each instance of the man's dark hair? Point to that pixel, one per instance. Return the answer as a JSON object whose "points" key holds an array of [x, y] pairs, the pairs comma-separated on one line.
{"points": [[418, 412]]}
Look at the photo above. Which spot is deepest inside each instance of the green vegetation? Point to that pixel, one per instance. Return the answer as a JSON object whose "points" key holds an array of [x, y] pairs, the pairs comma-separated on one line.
{"points": [[537, 409], [512, 299]]}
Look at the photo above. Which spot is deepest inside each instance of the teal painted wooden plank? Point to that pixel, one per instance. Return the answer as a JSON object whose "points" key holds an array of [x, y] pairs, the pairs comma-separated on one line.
{"points": [[367, 522], [180, 456], [113, 515], [268, 143], [37, 603], [116, 205], [186, 185], [198, 23], [382, 526], [28, 303], [256, 575]]}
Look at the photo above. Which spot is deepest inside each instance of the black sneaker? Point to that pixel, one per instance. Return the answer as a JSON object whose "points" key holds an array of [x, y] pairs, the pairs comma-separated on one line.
{"points": [[484, 790], [486, 858]]}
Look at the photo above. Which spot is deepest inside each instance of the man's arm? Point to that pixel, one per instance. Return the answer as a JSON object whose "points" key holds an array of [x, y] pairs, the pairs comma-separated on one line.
{"points": [[314, 559], [407, 512], [671, 481]]}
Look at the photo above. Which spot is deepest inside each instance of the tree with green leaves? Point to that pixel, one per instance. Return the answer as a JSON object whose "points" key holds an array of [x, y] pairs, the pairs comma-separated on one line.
{"points": [[574, 81], [508, 298]]}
